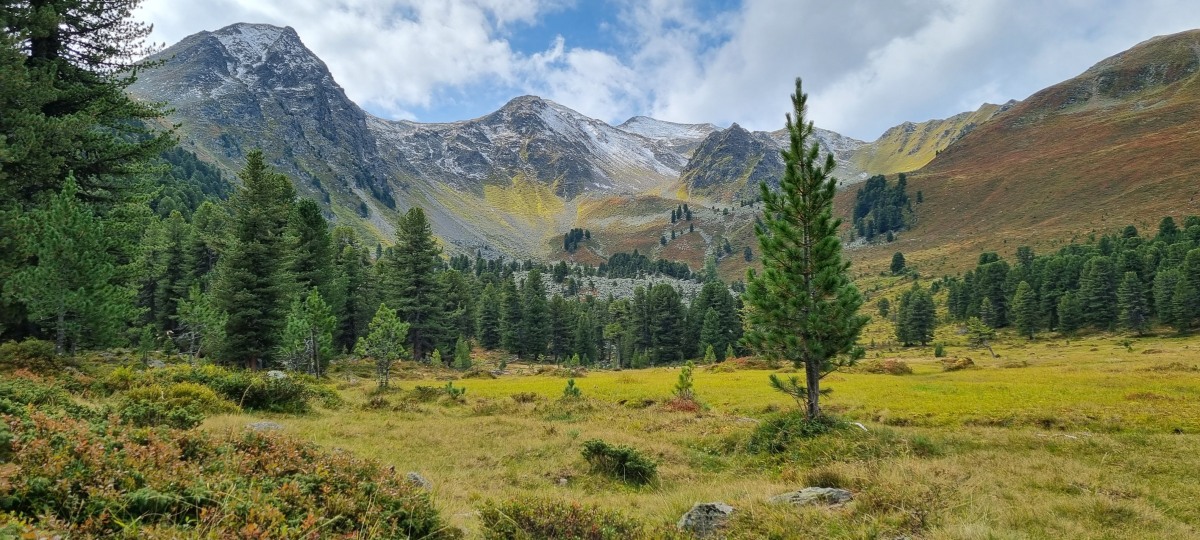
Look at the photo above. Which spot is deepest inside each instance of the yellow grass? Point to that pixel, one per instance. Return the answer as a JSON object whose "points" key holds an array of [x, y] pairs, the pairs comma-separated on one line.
{"points": [[1081, 442]]}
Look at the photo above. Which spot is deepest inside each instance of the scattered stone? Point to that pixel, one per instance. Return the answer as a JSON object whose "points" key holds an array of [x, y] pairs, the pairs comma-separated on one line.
{"points": [[814, 495], [156, 364], [416, 479], [563, 481], [264, 426], [704, 519], [276, 374]]}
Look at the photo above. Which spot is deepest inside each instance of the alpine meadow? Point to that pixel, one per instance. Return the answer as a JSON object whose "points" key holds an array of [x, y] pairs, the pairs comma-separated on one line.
{"points": [[235, 304]]}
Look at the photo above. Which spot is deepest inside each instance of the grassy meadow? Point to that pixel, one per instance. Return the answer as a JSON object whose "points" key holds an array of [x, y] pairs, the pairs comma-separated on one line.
{"points": [[1093, 437]]}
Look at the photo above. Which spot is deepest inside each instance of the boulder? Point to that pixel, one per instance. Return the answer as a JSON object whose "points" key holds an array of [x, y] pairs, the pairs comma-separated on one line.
{"points": [[155, 363], [814, 495], [416, 479], [276, 374], [705, 519], [264, 426]]}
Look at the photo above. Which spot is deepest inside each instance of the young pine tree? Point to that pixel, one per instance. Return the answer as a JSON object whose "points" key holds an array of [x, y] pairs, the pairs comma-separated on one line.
{"points": [[384, 342], [535, 316], [307, 341], [803, 307], [462, 355]]}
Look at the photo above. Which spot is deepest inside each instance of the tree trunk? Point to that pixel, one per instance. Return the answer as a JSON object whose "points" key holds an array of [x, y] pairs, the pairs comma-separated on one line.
{"points": [[60, 336], [812, 372]]}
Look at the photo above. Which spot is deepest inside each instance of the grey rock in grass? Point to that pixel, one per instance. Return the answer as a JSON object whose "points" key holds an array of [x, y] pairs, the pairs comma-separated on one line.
{"points": [[705, 519], [276, 374], [264, 426], [814, 495], [416, 479]]}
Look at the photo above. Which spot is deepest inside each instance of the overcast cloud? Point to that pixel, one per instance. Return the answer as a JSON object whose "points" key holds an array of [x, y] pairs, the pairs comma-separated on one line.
{"points": [[867, 65]]}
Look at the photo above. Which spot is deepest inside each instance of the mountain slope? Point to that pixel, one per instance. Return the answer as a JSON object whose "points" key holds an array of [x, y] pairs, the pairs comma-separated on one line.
{"points": [[1113, 146], [910, 146]]}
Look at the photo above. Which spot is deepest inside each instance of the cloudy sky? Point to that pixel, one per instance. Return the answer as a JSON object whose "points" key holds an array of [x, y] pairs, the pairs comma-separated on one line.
{"points": [[867, 64]]}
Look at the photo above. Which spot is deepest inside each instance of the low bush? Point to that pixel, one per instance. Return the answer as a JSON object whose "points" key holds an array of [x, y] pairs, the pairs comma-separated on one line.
{"points": [[955, 364], [888, 366], [180, 405], [425, 394], [68, 477], [249, 390], [620, 462], [525, 397], [31, 354], [544, 518], [778, 432], [22, 389]]}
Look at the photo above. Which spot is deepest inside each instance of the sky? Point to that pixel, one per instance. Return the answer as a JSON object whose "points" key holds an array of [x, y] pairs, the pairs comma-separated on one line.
{"points": [[867, 65]]}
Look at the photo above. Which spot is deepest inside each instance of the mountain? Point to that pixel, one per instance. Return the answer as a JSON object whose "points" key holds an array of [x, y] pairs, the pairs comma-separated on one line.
{"points": [[682, 138], [509, 182], [1113, 146]]}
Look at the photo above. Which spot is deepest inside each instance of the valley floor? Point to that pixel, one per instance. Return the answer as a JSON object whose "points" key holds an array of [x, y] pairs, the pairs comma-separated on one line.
{"points": [[1096, 437]]}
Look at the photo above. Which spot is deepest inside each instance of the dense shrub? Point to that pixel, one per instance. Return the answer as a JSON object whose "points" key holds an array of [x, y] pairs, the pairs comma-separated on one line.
{"points": [[180, 405], [778, 432], [955, 364], [620, 462], [32, 354], [544, 518], [888, 366], [249, 390], [22, 389], [66, 476]]}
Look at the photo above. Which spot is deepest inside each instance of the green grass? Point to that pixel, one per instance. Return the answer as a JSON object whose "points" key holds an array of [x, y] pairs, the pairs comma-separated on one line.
{"points": [[1081, 442]]}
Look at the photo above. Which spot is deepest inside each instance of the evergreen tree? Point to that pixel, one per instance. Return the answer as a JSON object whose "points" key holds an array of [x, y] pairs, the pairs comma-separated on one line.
{"points": [[1070, 313], [803, 307], [512, 335], [897, 263], [585, 338], [988, 314], [312, 251], [666, 341], [252, 282], [1025, 310], [711, 332], [1098, 292], [562, 328], [462, 354], [384, 342], [729, 353], [884, 306], [355, 288], [535, 316], [307, 341], [710, 356], [916, 317], [1186, 299], [488, 328], [979, 335], [201, 325], [411, 283], [73, 289], [459, 297], [1131, 301], [1165, 283], [208, 238]]}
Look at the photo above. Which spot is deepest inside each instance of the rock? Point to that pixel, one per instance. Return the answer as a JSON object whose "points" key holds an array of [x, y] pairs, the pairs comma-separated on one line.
{"points": [[814, 495], [416, 479], [276, 374], [156, 364], [264, 426], [704, 519]]}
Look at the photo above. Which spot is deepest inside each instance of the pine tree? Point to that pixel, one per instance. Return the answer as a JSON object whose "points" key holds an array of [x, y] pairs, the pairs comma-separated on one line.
{"points": [[462, 354], [916, 317], [307, 341], [729, 353], [1070, 313], [535, 316], [355, 289], [711, 332], [1165, 283], [252, 282], [988, 314], [411, 283], [201, 325], [585, 338], [562, 327], [803, 307], [312, 251], [666, 324], [897, 263], [1025, 309], [1098, 292], [710, 356], [384, 342], [512, 335], [1131, 302], [488, 327], [73, 289], [979, 335]]}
